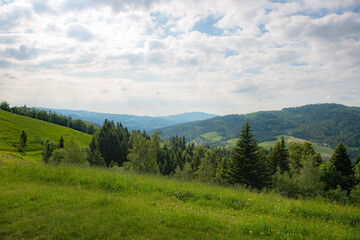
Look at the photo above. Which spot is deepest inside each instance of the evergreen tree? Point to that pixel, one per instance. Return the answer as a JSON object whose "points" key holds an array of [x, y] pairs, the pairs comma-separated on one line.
{"points": [[49, 148], [343, 165], [279, 157], [222, 174], [61, 142], [342, 161], [245, 162], [97, 159], [23, 139]]}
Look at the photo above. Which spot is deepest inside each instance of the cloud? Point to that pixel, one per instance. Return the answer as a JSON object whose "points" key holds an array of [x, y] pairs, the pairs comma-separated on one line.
{"points": [[80, 32], [22, 53], [172, 56]]}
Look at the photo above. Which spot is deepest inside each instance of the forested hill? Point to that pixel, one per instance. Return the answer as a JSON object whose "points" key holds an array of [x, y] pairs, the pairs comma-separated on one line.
{"points": [[322, 123]]}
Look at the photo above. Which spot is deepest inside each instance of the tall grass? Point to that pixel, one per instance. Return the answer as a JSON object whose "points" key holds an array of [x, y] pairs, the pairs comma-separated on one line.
{"points": [[67, 202]]}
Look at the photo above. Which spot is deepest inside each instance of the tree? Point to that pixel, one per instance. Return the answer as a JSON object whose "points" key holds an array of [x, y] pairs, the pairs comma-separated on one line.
{"points": [[23, 139], [343, 165], [5, 106], [143, 154], [308, 181], [57, 156], [49, 148], [61, 142], [73, 153], [245, 162], [341, 160], [206, 171], [222, 174], [279, 157]]}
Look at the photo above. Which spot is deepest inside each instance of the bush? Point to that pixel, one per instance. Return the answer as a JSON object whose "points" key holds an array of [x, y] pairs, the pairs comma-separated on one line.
{"points": [[354, 196], [337, 195]]}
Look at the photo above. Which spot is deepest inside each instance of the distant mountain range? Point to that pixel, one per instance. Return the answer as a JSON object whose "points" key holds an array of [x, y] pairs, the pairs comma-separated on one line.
{"points": [[132, 121], [328, 124]]}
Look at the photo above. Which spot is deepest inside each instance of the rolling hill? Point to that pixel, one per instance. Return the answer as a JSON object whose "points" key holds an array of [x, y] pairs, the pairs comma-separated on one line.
{"points": [[132, 121], [37, 132], [326, 124]]}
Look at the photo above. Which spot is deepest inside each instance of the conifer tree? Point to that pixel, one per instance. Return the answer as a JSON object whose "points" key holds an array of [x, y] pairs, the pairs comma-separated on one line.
{"points": [[342, 161], [222, 174], [245, 162], [61, 142], [23, 139], [343, 165], [279, 157]]}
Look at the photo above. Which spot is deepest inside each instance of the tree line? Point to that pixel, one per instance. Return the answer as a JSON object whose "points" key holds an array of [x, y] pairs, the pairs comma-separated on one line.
{"points": [[293, 170], [76, 124]]}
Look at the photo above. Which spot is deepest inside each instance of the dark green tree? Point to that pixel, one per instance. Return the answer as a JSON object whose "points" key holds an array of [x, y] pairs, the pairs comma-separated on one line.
{"points": [[5, 106], [61, 142], [342, 161], [344, 166], [49, 148], [23, 139], [279, 157], [222, 174], [246, 165]]}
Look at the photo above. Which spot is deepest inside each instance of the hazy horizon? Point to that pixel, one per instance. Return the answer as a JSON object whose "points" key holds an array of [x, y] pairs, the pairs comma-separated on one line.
{"points": [[159, 58]]}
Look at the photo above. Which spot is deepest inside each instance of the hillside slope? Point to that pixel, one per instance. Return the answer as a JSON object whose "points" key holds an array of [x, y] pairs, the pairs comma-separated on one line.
{"points": [[11, 126], [65, 202], [323, 123]]}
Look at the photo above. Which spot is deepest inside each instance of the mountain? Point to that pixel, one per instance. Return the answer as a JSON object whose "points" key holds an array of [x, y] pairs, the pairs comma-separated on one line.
{"points": [[328, 124], [133, 121]]}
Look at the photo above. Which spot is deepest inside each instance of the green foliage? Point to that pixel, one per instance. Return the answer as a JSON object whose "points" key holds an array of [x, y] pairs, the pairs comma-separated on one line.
{"points": [[143, 153], [222, 175], [206, 170], [354, 196], [323, 123], [308, 181], [112, 142], [279, 157], [61, 142], [57, 157], [343, 165], [5, 106], [329, 175], [246, 167], [12, 125], [337, 195], [48, 150], [298, 153], [23, 139], [55, 118]]}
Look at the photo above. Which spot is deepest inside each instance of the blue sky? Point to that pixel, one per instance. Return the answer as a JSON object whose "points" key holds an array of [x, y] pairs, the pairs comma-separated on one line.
{"points": [[160, 57]]}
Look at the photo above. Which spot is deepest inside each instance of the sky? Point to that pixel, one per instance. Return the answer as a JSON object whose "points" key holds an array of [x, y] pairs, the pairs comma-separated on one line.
{"points": [[162, 57]]}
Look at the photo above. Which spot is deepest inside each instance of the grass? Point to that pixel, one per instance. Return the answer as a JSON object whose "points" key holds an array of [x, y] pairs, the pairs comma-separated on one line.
{"points": [[212, 136], [11, 126], [324, 151], [66, 202]]}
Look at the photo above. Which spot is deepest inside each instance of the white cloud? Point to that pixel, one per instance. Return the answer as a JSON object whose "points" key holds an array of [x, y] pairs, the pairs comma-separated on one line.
{"points": [[151, 57]]}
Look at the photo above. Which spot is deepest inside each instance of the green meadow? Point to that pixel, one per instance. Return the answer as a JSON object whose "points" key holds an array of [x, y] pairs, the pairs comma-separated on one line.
{"points": [[66, 202], [11, 126]]}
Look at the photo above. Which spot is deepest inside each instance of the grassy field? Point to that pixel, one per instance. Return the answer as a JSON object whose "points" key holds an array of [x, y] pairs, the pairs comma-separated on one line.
{"points": [[11, 126], [66, 202], [324, 151]]}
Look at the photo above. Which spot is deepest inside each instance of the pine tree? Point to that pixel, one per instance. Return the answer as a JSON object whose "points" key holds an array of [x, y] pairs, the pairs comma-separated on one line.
{"points": [[279, 157], [245, 162], [23, 139], [61, 142], [343, 165], [342, 161]]}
